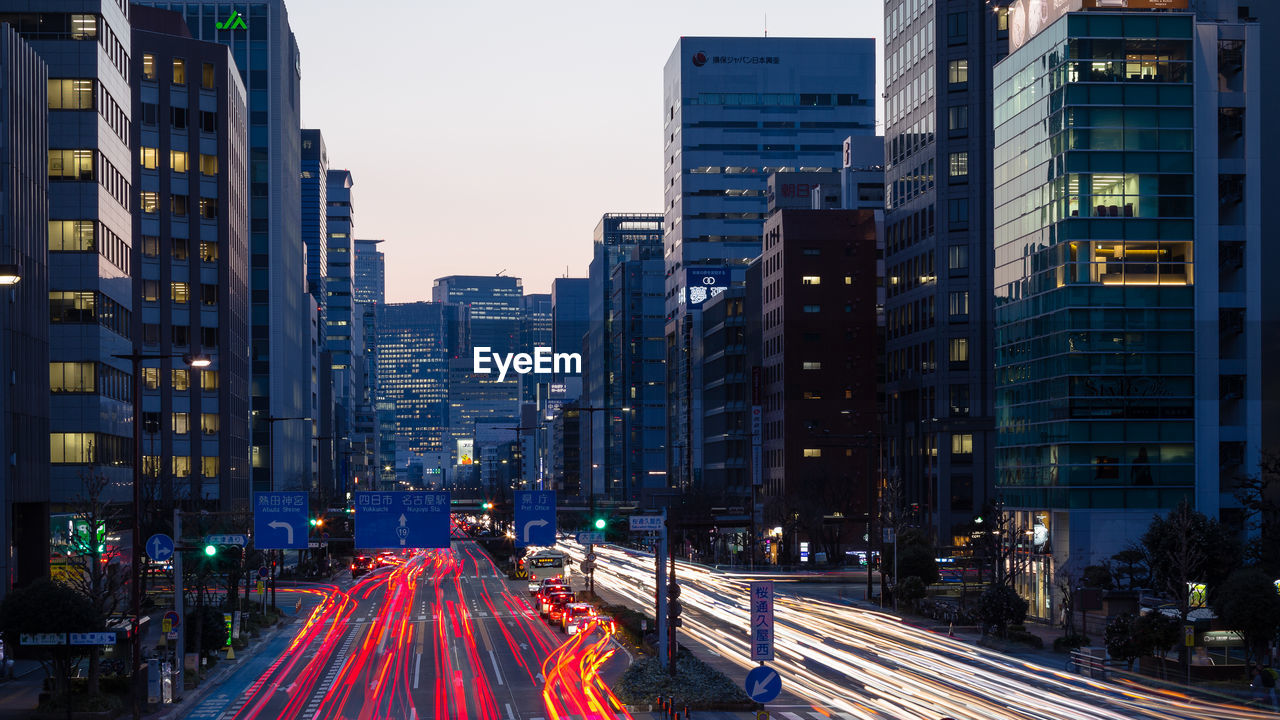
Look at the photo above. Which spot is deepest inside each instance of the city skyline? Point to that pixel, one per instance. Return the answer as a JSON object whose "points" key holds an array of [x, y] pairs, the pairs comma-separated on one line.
{"points": [[604, 121]]}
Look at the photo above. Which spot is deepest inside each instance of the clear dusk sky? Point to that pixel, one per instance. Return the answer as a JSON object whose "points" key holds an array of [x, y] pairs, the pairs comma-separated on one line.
{"points": [[488, 137]]}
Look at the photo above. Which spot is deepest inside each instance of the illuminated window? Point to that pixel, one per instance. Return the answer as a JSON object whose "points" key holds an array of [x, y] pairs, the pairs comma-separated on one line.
{"points": [[959, 350], [71, 377], [84, 27], [181, 379], [147, 156], [811, 280], [959, 304], [151, 378], [71, 235], [151, 465], [811, 395], [813, 452], [962, 444], [812, 365], [72, 307], [208, 164], [208, 251], [959, 162], [181, 466], [71, 448], [70, 94], [178, 161], [210, 423], [209, 208], [209, 380], [181, 423], [958, 72], [70, 164], [209, 466], [812, 308], [179, 71], [206, 76], [149, 67], [180, 292], [149, 202]]}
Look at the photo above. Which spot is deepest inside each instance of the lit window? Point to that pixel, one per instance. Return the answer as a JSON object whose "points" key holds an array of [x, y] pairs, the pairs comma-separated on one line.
{"points": [[178, 161], [959, 350], [959, 164], [71, 448], [812, 308], [71, 377], [179, 71], [180, 292], [209, 466], [149, 202], [181, 466], [151, 378], [210, 423], [813, 452], [960, 303], [149, 66], [208, 251], [70, 94], [962, 444], [811, 395], [71, 235], [811, 280], [848, 279], [181, 378], [84, 27], [958, 72], [72, 307], [181, 423], [811, 365], [70, 164], [208, 164], [209, 380], [147, 157], [209, 208]]}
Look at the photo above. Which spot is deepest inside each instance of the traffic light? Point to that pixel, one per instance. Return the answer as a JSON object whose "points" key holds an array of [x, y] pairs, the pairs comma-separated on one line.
{"points": [[210, 550], [673, 605], [487, 506], [601, 523]]}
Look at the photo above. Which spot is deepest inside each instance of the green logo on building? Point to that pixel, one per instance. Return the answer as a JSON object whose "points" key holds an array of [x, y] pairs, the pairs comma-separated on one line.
{"points": [[234, 21]]}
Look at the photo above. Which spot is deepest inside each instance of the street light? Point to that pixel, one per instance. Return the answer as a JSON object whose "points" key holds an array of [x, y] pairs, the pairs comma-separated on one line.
{"points": [[199, 360], [591, 477], [10, 274]]}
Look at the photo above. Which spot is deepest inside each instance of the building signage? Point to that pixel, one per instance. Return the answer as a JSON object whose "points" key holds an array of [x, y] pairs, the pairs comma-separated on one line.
{"points": [[761, 602], [647, 523], [535, 512], [466, 451], [700, 58], [704, 283], [402, 519], [1028, 17]]}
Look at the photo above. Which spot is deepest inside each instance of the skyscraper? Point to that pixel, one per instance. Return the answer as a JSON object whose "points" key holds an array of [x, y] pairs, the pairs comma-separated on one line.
{"points": [[618, 237], [569, 326], [266, 54], [535, 331], [191, 262], [937, 155], [735, 110], [24, 324], [1129, 275], [90, 197], [370, 296], [415, 343], [492, 306], [370, 273], [315, 201]]}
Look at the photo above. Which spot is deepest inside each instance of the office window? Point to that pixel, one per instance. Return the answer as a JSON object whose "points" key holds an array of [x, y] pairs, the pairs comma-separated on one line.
{"points": [[811, 365], [179, 71], [210, 423], [209, 467], [70, 164], [149, 113], [959, 162], [1002, 19], [181, 379], [208, 121], [72, 307], [178, 247], [208, 251], [71, 377], [958, 213], [958, 73], [813, 452], [151, 378], [209, 380], [958, 351], [71, 235], [208, 337], [812, 308], [148, 66], [181, 466], [181, 335], [180, 292], [209, 208], [150, 334], [208, 164], [811, 280], [147, 157], [72, 448], [962, 444], [178, 161], [150, 290], [71, 94], [959, 303], [178, 205], [181, 423], [178, 118], [959, 401], [958, 118], [208, 294], [957, 28], [150, 246], [811, 395], [206, 76], [958, 257]]}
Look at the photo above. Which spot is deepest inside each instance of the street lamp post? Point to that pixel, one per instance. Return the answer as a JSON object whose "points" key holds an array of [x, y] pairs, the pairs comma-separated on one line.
{"points": [[591, 478], [271, 454], [195, 360]]}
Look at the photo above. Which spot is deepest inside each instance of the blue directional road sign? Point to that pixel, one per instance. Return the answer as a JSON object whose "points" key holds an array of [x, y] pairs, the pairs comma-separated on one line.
{"points": [[535, 517], [402, 519], [160, 547], [763, 683], [280, 520]]}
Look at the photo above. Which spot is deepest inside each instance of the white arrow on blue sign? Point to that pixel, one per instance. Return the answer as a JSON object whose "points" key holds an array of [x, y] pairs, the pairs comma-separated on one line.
{"points": [[280, 520], [763, 684], [401, 519], [535, 517], [160, 547]]}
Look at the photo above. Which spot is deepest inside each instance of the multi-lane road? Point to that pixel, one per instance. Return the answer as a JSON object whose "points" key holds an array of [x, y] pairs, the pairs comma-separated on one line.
{"points": [[858, 663], [441, 635]]}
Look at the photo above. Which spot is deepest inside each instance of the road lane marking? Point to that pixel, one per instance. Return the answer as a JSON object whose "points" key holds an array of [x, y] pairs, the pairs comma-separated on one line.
{"points": [[494, 659], [510, 714], [417, 668]]}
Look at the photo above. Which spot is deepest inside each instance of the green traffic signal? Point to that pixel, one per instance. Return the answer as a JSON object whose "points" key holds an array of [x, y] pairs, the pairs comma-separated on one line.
{"points": [[313, 522], [210, 550], [601, 523]]}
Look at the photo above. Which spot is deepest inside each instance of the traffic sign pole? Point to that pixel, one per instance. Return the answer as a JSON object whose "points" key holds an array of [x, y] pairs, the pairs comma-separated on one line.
{"points": [[181, 647]]}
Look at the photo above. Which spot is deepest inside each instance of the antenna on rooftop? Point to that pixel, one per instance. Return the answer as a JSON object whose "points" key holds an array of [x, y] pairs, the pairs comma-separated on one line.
{"points": [[766, 24], [501, 271]]}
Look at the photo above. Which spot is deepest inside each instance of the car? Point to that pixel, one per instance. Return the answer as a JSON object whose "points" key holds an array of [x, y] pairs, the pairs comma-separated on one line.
{"points": [[388, 557], [361, 565], [556, 608], [576, 616], [545, 595]]}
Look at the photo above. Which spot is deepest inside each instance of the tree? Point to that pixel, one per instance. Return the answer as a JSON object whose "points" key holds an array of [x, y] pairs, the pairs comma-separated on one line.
{"points": [[918, 558], [1185, 547], [1129, 569], [911, 588], [1000, 606], [1157, 633], [1249, 604], [98, 569], [1259, 495], [1003, 544], [206, 629], [1100, 576], [45, 606], [1122, 640]]}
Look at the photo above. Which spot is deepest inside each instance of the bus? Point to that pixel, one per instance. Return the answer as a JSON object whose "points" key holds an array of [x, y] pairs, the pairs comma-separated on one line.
{"points": [[545, 563]]}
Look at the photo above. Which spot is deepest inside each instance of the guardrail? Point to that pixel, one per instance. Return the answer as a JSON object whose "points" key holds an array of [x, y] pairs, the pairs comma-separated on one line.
{"points": [[1085, 663]]}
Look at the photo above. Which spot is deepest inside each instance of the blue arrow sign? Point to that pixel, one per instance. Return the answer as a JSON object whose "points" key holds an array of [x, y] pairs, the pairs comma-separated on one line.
{"points": [[763, 683], [280, 520], [159, 547], [535, 517], [402, 519]]}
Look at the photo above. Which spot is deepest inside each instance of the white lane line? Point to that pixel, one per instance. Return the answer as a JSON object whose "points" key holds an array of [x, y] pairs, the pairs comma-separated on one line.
{"points": [[494, 659], [510, 715], [417, 667], [413, 713]]}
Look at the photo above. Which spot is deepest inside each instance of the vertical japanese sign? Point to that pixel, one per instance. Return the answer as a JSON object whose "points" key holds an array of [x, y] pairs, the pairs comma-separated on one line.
{"points": [[761, 620]]}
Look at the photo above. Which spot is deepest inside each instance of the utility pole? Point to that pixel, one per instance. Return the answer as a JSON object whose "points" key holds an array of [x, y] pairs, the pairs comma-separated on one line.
{"points": [[271, 439], [181, 647]]}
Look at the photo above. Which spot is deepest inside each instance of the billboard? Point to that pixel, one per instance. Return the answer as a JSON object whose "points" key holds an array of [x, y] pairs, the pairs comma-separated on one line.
{"points": [[704, 283], [466, 451], [1028, 17]]}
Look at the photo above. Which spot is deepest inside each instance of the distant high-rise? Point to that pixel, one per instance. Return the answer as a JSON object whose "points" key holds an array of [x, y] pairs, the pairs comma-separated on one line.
{"points": [[618, 237], [371, 280], [339, 283], [415, 343], [266, 54], [191, 263], [569, 326], [536, 330], [735, 110], [24, 319], [493, 306], [370, 296], [315, 174]]}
